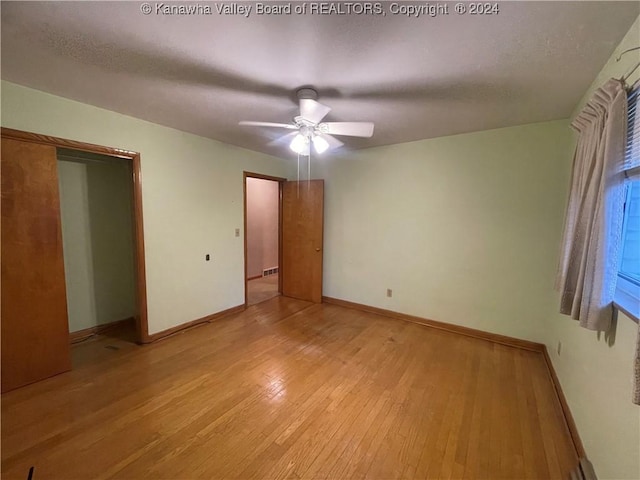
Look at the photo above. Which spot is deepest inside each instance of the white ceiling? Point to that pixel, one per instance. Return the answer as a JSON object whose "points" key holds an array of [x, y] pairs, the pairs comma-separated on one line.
{"points": [[414, 77]]}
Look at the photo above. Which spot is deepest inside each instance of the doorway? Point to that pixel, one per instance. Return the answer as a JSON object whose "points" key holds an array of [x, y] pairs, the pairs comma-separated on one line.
{"points": [[262, 221], [300, 232], [97, 220]]}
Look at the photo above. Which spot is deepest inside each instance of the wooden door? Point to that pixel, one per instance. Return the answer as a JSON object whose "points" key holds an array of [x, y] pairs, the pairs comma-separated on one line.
{"points": [[34, 325], [302, 245]]}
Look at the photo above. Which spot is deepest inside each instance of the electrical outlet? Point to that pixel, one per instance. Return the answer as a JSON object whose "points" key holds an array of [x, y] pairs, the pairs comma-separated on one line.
{"points": [[559, 348], [237, 232], [389, 292], [207, 257]]}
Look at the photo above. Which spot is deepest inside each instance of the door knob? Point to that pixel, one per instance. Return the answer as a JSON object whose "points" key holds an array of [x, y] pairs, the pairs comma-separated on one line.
{"points": [[317, 249]]}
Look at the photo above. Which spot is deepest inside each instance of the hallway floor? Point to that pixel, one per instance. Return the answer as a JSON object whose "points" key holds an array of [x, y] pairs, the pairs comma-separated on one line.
{"points": [[261, 289]]}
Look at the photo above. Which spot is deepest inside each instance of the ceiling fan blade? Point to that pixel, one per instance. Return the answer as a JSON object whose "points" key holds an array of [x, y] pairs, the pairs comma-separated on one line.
{"points": [[332, 141], [283, 139], [312, 110], [351, 129], [267, 124]]}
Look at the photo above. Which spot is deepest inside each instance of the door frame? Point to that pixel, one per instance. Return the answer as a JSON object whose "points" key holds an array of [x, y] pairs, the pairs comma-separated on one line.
{"points": [[280, 181], [142, 326]]}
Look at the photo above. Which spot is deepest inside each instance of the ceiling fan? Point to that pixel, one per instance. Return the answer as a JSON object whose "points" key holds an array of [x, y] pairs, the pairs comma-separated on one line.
{"points": [[310, 129]]}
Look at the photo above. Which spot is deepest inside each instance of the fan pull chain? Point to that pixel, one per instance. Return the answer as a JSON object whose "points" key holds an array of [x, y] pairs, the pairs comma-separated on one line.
{"points": [[298, 182], [309, 169]]}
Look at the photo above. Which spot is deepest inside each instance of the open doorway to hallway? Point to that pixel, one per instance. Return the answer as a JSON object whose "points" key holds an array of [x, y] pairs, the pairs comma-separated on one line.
{"points": [[262, 237]]}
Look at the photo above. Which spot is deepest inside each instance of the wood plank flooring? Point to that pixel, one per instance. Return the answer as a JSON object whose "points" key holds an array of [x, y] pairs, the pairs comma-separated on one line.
{"points": [[288, 389]]}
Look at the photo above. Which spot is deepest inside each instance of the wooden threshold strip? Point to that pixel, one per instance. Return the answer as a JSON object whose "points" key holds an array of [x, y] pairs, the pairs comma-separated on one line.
{"points": [[491, 337]]}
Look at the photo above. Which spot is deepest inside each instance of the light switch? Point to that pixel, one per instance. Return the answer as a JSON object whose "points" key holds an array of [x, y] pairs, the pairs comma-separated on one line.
{"points": [[237, 232]]}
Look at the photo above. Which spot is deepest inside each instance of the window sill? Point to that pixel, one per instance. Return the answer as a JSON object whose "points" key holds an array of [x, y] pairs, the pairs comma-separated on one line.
{"points": [[627, 304]]}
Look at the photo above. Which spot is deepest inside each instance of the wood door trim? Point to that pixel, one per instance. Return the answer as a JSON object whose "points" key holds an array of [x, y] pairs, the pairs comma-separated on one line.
{"points": [[280, 181], [66, 143], [263, 176], [142, 325]]}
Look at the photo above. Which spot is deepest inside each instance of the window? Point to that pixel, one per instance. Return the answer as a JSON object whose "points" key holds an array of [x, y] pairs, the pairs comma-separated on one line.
{"points": [[628, 286]]}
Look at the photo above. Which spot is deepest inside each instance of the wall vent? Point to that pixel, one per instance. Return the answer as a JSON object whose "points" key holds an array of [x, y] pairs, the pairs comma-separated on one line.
{"points": [[269, 271]]}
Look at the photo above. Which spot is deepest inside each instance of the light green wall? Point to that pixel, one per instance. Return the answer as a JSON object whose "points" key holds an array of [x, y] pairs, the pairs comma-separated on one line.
{"points": [[596, 374], [464, 229], [97, 234], [192, 199]]}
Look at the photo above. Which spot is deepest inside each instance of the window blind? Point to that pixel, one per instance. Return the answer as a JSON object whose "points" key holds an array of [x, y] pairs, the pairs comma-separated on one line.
{"points": [[630, 258], [632, 149]]}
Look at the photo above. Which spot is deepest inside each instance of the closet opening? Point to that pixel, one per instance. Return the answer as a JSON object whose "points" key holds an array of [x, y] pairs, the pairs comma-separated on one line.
{"points": [[98, 240]]}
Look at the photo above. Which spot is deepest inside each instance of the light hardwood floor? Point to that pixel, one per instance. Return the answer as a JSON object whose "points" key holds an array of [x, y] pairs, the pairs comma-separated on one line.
{"points": [[288, 389], [261, 289]]}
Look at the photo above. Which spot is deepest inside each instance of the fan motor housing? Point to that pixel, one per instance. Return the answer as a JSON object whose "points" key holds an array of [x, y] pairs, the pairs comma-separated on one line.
{"points": [[307, 93]]}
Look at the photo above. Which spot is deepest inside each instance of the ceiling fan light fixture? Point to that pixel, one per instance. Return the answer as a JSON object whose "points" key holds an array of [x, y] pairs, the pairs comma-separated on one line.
{"points": [[299, 143], [311, 130], [320, 144]]}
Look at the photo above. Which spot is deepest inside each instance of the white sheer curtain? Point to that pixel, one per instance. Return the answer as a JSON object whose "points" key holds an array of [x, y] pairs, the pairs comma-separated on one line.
{"points": [[589, 262]]}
